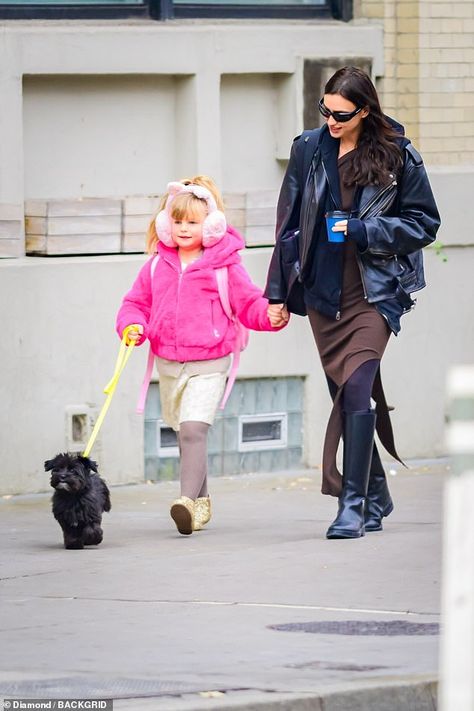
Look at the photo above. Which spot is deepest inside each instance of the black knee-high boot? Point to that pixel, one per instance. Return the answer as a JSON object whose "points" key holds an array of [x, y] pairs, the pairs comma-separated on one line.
{"points": [[378, 502], [359, 428]]}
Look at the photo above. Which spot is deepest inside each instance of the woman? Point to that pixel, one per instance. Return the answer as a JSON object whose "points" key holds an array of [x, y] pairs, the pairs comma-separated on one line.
{"points": [[355, 291]]}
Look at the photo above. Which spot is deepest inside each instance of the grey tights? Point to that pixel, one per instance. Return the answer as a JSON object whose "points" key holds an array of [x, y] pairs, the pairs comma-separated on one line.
{"points": [[192, 440]]}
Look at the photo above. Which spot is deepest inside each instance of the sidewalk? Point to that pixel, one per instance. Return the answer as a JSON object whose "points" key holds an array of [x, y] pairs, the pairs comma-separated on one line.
{"points": [[259, 611]]}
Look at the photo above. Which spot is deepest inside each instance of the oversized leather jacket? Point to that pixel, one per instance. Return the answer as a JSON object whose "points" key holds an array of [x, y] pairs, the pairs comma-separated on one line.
{"points": [[391, 224]]}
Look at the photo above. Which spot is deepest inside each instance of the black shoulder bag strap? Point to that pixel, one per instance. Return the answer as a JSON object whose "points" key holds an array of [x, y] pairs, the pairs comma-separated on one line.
{"points": [[311, 140], [295, 294]]}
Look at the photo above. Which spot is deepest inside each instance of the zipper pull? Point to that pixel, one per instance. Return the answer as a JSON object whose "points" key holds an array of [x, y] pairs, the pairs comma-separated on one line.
{"points": [[338, 316]]}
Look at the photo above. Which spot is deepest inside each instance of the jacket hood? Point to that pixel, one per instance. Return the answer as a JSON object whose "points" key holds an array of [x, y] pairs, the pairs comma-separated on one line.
{"points": [[222, 254], [402, 140], [398, 127]]}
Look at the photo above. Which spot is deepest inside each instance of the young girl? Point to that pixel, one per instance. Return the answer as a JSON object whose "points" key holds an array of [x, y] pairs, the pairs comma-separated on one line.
{"points": [[175, 304]]}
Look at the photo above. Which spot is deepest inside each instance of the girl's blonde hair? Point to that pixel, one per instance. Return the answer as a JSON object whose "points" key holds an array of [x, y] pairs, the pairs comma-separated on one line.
{"points": [[183, 205]]}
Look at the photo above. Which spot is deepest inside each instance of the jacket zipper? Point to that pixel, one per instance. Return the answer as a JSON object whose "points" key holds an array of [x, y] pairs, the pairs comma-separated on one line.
{"points": [[180, 275], [388, 188], [329, 184], [380, 208], [362, 278], [338, 313], [304, 231]]}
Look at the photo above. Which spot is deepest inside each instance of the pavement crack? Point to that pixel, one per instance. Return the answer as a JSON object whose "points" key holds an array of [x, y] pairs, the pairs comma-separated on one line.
{"points": [[29, 575], [236, 603]]}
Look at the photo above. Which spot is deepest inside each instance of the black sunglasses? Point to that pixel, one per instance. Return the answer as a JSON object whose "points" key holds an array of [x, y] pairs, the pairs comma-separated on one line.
{"points": [[339, 116]]}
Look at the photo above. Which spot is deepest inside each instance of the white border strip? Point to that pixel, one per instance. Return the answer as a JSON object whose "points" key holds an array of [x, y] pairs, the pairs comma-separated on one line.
{"points": [[460, 437], [461, 381]]}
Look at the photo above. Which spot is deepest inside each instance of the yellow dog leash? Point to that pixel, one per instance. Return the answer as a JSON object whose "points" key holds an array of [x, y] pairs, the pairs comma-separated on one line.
{"points": [[126, 348]]}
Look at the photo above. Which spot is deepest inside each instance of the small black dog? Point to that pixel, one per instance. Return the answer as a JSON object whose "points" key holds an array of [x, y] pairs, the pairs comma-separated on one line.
{"points": [[79, 500]]}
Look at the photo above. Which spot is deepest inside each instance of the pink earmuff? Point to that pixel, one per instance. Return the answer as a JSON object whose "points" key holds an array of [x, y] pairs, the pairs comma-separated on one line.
{"points": [[214, 226]]}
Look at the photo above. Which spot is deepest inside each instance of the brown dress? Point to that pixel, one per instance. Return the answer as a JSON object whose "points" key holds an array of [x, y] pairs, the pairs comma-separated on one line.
{"points": [[360, 334]]}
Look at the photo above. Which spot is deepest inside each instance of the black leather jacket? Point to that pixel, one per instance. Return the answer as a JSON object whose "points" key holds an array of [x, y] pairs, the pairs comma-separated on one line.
{"points": [[391, 224]]}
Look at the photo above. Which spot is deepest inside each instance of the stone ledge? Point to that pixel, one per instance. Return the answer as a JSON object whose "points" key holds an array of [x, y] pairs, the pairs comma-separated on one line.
{"points": [[110, 226]]}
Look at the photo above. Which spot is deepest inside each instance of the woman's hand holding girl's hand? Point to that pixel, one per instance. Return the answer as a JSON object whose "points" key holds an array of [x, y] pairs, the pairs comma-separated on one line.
{"points": [[278, 315], [134, 333]]}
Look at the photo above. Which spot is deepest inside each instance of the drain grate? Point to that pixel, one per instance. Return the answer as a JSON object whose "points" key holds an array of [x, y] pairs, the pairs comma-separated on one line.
{"points": [[358, 628], [97, 688]]}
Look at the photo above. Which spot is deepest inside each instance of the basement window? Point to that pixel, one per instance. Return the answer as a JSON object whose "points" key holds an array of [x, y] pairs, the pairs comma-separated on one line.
{"points": [[167, 440], [268, 431]]}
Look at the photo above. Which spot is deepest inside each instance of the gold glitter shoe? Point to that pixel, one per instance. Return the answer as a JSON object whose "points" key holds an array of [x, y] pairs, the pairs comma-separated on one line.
{"points": [[182, 513], [202, 512]]}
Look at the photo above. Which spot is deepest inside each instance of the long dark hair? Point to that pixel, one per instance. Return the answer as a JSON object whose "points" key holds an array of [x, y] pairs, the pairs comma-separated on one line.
{"points": [[378, 155]]}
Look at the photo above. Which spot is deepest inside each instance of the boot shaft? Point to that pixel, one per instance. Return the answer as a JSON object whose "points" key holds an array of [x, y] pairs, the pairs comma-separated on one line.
{"points": [[359, 429]]}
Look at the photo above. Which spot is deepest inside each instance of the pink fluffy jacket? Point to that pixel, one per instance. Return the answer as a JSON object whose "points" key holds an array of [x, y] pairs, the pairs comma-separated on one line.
{"points": [[181, 312]]}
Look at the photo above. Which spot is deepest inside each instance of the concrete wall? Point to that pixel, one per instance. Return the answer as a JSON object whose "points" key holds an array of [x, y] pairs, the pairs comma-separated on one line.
{"points": [[105, 136], [110, 109], [116, 108], [249, 108], [59, 349], [60, 314]]}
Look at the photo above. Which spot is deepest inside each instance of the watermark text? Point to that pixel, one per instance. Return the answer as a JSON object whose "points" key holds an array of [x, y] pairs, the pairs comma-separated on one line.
{"points": [[59, 704]]}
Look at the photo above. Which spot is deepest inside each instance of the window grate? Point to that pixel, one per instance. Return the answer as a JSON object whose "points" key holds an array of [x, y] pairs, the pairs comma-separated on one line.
{"points": [[167, 440], [266, 431]]}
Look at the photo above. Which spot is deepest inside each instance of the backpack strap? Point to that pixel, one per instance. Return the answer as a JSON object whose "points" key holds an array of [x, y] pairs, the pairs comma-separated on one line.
{"points": [[151, 356], [222, 278], [311, 140]]}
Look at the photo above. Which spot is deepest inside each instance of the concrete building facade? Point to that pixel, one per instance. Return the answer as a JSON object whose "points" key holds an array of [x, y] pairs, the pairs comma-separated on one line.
{"points": [[97, 116]]}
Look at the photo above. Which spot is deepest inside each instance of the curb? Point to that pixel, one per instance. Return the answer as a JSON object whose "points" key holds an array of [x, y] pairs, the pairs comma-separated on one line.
{"points": [[393, 696]]}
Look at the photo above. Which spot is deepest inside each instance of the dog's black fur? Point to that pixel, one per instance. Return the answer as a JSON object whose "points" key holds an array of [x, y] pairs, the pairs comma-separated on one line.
{"points": [[79, 499]]}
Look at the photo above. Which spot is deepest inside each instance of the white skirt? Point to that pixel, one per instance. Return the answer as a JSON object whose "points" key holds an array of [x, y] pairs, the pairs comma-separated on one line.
{"points": [[191, 391]]}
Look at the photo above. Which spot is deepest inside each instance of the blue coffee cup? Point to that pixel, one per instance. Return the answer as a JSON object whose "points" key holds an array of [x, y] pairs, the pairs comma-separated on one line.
{"points": [[331, 219]]}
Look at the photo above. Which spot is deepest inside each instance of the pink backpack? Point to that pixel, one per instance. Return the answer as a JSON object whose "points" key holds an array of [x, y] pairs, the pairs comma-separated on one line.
{"points": [[241, 341]]}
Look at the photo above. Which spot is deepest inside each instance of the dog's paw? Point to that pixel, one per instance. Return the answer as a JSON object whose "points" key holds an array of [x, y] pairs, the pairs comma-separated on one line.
{"points": [[73, 545], [93, 536]]}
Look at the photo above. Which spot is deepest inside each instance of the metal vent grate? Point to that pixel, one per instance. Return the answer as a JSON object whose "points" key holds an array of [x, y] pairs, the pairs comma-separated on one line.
{"points": [[96, 688]]}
